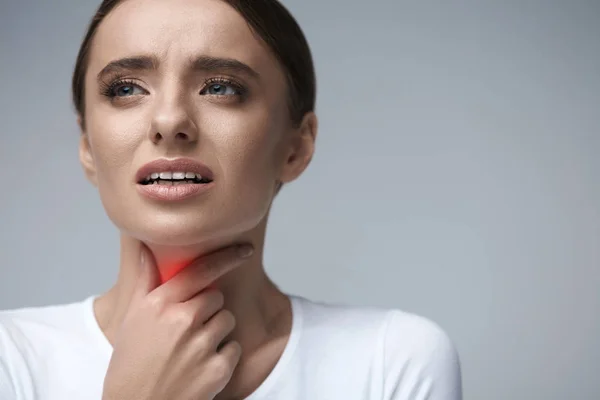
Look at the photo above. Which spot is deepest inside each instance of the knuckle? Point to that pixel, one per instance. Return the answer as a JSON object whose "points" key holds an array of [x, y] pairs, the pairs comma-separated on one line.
{"points": [[155, 303], [182, 317], [204, 343]]}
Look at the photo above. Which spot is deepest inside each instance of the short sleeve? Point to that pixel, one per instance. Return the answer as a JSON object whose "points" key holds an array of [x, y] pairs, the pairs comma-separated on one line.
{"points": [[420, 360]]}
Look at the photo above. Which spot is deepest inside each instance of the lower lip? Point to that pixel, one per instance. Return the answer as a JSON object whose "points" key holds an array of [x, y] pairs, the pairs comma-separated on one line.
{"points": [[173, 192]]}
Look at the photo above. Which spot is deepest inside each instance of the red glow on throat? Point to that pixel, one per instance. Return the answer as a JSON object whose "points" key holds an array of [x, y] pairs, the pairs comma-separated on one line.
{"points": [[169, 270]]}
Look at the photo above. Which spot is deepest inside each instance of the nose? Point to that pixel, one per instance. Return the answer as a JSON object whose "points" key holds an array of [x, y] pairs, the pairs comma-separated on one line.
{"points": [[171, 123]]}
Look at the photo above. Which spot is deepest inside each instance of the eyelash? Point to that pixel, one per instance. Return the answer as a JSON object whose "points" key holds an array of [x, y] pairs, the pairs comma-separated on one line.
{"points": [[241, 91], [108, 90]]}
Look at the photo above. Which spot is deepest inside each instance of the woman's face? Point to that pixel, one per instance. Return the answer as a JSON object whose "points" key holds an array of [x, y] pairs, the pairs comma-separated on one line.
{"points": [[193, 82]]}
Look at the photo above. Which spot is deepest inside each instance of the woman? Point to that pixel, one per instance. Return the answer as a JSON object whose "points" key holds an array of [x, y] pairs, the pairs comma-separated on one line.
{"points": [[193, 115]]}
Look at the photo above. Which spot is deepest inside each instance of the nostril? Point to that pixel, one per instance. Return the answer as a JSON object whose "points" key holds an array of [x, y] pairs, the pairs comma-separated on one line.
{"points": [[157, 137]]}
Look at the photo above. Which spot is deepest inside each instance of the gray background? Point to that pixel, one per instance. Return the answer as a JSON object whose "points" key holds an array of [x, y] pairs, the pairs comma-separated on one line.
{"points": [[457, 176]]}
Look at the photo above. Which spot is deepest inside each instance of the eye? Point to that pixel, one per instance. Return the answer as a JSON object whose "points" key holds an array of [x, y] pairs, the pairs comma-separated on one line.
{"points": [[122, 88], [221, 90], [127, 89], [222, 87]]}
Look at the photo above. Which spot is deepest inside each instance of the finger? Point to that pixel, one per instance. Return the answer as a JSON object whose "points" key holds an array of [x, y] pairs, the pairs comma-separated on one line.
{"points": [[148, 277], [217, 328], [231, 351], [224, 363], [204, 305], [201, 273]]}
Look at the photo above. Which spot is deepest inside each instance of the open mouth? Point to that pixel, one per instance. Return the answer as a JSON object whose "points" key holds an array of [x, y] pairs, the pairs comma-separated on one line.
{"points": [[175, 178]]}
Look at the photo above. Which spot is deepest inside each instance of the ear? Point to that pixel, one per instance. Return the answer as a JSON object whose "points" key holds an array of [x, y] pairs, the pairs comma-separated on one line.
{"points": [[301, 148], [86, 157]]}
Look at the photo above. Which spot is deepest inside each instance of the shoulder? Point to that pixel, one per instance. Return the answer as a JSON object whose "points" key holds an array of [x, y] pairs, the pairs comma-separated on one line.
{"points": [[411, 356], [416, 336], [402, 335], [398, 330], [29, 323], [341, 323], [419, 357], [30, 335]]}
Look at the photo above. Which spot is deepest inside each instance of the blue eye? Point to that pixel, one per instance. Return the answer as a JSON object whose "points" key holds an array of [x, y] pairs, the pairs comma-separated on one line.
{"points": [[126, 90], [220, 89], [122, 88]]}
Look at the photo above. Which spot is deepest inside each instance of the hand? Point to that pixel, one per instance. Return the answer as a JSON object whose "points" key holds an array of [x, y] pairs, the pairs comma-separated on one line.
{"points": [[169, 344]]}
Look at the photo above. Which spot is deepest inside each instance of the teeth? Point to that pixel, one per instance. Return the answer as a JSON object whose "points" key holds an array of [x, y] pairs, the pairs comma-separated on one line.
{"points": [[165, 178]]}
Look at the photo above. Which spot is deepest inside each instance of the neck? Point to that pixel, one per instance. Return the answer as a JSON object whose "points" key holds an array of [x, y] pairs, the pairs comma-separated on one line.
{"points": [[249, 294]]}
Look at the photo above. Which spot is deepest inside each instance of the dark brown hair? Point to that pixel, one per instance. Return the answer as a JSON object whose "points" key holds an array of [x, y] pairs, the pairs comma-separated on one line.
{"points": [[269, 19]]}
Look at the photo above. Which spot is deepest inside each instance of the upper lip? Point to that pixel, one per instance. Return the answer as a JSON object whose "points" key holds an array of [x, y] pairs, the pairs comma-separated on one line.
{"points": [[175, 165]]}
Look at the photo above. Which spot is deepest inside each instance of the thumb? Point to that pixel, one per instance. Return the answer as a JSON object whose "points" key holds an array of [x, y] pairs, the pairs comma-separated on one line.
{"points": [[148, 277]]}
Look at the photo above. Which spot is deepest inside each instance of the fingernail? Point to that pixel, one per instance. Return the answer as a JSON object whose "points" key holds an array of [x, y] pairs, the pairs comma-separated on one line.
{"points": [[245, 250]]}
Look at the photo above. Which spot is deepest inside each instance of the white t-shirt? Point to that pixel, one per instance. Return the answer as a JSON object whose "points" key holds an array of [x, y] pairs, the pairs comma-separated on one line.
{"points": [[334, 352]]}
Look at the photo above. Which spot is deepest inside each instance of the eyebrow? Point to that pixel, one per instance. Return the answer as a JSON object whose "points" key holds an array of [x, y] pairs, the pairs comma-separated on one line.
{"points": [[202, 63]]}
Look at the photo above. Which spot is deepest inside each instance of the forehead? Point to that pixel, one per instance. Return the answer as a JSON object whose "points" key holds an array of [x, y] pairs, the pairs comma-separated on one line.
{"points": [[175, 30]]}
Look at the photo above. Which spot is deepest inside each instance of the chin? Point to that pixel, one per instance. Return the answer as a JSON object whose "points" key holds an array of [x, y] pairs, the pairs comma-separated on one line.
{"points": [[179, 229], [209, 220]]}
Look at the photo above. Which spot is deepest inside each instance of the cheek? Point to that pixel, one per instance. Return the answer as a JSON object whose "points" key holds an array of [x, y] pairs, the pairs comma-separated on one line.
{"points": [[114, 140], [246, 150], [249, 148]]}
